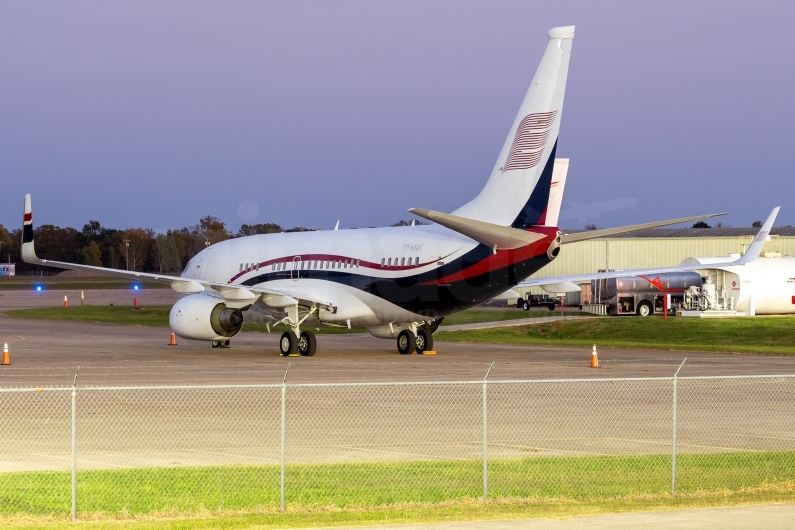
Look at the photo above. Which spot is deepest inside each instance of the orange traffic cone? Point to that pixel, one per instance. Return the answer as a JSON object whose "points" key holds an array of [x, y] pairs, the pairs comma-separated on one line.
{"points": [[173, 341], [65, 301], [6, 360], [594, 358]]}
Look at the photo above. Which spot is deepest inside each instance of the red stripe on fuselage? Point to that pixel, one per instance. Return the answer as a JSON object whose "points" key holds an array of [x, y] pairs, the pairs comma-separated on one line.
{"points": [[504, 258], [28, 217]]}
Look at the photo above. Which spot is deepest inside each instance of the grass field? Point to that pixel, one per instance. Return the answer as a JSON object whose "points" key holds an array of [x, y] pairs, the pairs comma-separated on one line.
{"points": [[78, 283], [158, 316], [357, 487], [771, 335]]}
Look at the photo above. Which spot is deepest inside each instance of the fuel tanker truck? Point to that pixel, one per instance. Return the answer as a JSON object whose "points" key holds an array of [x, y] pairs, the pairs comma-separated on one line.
{"points": [[644, 295]]}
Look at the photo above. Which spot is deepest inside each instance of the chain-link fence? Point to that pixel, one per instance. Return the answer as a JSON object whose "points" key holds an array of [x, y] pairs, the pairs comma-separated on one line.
{"points": [[182, 450]]}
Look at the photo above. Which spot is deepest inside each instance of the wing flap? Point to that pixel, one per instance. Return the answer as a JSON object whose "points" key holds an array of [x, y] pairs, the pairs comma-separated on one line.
{"points": [[605, 232]]}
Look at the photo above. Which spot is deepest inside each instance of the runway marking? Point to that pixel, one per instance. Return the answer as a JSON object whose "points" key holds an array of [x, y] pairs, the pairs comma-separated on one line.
{"points": [[359, 448], [69, 458], [230, 454]]}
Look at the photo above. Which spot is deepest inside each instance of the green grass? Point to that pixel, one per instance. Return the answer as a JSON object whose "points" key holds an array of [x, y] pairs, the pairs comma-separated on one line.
{"points": [[356, 487], [769, 335], [472, 316], [158, 316], [78, 283], [144, 316]]}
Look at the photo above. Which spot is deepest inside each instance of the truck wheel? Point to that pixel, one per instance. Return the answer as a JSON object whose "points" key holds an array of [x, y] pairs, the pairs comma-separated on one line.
{"points": [[526, 305], [551, 307], [644, 309]]}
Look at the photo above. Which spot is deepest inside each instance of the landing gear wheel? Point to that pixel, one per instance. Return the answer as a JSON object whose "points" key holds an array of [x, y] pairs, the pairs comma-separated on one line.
{"points": [[216, 344], [406, 342], [424, 341], [307, 344], [644, 309], [288, 344], [526, 305], [221, 343]]}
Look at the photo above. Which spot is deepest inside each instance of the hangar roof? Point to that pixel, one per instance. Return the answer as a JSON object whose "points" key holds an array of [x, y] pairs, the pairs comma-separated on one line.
{"points": [[782, 231]]}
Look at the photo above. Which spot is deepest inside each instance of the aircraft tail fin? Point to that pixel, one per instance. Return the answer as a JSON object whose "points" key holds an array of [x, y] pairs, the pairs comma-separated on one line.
{"points": [[552, 213], [517, 192], [28, 249]]}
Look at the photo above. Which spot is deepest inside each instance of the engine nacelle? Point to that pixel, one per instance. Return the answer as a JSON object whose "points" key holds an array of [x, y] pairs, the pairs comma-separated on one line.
{"points": [[554, 248], [203, 317]]}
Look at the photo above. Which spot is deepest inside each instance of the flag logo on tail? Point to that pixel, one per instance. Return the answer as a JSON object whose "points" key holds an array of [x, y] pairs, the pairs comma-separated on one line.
{"points": [[530, 140]]}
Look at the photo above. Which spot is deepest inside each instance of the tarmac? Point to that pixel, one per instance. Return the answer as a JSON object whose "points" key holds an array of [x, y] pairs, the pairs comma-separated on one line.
{"points": [[47, 353]]}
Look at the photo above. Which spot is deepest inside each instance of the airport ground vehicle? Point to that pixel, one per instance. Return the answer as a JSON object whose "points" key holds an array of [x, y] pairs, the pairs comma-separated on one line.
{"points": [[643, 295], [537, 300]]}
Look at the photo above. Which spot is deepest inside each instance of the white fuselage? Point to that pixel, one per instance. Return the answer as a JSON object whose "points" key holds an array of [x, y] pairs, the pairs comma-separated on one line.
{"points": [[296, 261], [765, 286]]}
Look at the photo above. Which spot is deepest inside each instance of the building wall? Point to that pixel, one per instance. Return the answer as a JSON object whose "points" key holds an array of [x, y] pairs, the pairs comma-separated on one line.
{"points": [[630, 253]]}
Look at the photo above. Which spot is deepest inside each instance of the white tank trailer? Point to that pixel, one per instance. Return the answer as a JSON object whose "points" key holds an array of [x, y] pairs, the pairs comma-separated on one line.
{"points": [[642, 295], [766, 286]]}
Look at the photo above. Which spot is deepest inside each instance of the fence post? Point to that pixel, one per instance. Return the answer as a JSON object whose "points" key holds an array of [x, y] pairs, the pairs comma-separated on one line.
{"points": [[74, 446], [284, 424], [673, 432], [486, 437]]}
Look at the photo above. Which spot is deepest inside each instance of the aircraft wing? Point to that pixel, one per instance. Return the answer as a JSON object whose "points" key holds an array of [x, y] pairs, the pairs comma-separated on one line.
{"points": [[750, 255], [227, 291]]}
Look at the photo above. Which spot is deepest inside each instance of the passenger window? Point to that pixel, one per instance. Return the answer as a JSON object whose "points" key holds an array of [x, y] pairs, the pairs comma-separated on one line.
{"points": [[389, 263], [241, 267], [402, 262], [417, 260], [358, 262], [382, 261]]}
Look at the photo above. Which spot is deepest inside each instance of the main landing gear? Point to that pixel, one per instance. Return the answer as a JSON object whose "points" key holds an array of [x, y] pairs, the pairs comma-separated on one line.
{"points": [[304, 344], [408, 342], [221, 343]]}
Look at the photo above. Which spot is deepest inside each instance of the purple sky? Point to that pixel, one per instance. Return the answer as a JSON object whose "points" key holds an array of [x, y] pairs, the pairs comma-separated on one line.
{"points": [[155, 114]]}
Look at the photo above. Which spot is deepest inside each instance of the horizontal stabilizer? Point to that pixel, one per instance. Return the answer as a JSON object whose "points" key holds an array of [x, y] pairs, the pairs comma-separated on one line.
{"points": [[595, 234], [495, 236]]}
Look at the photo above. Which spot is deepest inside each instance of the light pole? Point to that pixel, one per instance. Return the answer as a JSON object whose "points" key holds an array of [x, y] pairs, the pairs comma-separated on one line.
{"points": [[127, 253]]}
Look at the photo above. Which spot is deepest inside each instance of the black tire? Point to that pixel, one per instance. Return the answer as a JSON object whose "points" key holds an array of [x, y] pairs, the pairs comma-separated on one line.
{"points": [[288, 344], [406, 342], [551, 307], [526, 305], [424, 341], [307, 344], [224, 344], [644, 309]]}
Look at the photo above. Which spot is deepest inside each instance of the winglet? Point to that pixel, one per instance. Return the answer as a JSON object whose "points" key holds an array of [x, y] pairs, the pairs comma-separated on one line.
{"points": [[28, 250], [755, 249]]}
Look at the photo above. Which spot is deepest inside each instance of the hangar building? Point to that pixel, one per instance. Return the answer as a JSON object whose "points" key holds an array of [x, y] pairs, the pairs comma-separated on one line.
{"points": [[657, 247]]}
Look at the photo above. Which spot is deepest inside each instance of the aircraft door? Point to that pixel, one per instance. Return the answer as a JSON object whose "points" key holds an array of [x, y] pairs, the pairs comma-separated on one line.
{"points": [[296, 268]]}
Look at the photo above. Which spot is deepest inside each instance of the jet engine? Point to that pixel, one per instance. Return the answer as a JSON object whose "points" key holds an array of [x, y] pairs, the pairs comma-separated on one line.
{"points": [[203, 317]]}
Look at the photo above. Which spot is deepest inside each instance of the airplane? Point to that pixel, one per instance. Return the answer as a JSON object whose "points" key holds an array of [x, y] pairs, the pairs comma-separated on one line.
{"points": [[398, 282]]}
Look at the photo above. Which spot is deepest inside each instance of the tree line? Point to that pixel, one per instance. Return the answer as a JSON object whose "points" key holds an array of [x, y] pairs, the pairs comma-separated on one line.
{"points": [[138, 249]]}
